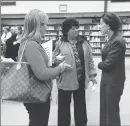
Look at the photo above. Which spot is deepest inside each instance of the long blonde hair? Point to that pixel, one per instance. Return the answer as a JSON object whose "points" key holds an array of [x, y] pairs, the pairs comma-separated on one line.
{"points": [[32, 24]]}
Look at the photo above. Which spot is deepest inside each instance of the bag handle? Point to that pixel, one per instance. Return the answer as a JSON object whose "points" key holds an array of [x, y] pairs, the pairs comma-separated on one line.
{"points": [[22, 52], [19, 62]]}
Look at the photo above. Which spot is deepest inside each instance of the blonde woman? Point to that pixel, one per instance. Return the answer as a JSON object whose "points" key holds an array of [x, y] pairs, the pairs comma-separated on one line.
{"points": [[35, 25]]}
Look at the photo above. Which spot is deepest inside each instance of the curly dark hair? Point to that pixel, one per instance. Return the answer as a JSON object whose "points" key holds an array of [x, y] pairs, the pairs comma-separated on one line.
{"points": [[67, 25], [112, 20]]}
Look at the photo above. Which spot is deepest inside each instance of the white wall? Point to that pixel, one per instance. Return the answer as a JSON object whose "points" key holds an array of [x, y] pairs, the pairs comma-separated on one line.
{"points": [[73, 6], [53, 6], [118, 6]]}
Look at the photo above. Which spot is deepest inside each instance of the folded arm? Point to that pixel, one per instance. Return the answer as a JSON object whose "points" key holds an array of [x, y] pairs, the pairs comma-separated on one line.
{"points": [[112, 58]]}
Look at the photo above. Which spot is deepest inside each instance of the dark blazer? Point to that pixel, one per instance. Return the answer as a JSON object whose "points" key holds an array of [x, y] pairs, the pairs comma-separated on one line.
{"points": [[113, 61], [10, 50]]}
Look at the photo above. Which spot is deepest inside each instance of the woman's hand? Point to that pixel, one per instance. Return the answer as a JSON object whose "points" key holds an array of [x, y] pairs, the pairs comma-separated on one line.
{"points": [[58, 59], [65, 67], [5, 63], [7, 60]]}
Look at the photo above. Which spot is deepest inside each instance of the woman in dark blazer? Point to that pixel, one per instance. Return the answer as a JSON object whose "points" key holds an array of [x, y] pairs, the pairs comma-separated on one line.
{"points": [[113, 70]]}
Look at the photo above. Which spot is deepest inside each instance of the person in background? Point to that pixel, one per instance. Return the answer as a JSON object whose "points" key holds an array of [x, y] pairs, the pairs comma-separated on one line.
{"points": [[35, 25], [16, 43], [78, 54], [113, 70], [5, 35], [19, 32], [10, 51]]}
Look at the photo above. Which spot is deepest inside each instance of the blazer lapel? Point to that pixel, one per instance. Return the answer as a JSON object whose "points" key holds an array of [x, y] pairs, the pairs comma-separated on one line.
{"points": [[115, 36]]}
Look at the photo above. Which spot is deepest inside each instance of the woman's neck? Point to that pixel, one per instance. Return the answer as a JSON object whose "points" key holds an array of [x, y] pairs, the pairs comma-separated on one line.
{"points": [[110, 33], [72, 39]]}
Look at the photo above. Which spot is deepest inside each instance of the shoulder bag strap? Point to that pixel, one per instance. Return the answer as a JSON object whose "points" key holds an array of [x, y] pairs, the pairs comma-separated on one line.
{"points": [[20, 60]]}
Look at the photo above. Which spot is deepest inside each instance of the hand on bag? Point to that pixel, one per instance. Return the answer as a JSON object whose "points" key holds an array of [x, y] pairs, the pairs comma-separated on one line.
{"points": [[7, 60], [65, 67], [5, 63]]}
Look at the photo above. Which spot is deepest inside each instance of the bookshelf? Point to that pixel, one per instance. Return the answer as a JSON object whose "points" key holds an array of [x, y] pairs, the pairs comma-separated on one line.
{"points": [[52, 32], [91, 32], [97, 41], [126, 35]]}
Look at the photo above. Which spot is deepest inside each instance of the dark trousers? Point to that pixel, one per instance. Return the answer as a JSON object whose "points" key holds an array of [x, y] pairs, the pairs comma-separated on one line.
{"points": [[38, 113], [109, 105], [64, 100]]}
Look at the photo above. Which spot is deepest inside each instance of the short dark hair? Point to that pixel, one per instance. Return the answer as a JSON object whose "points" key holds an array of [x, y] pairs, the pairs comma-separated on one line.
{"points": [[112, 20], [67, 25], [7, 28]]}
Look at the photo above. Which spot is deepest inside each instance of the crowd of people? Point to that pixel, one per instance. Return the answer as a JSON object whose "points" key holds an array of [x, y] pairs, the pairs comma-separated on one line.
{"points": [[75, 79], [9, 38]]}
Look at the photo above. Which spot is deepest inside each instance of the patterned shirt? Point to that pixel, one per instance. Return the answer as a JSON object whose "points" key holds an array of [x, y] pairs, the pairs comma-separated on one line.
{"points": [[79, 59]]}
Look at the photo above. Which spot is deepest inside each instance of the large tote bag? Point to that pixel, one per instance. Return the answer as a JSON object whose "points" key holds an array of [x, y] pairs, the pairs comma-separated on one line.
{"points": [[19, 84]]}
